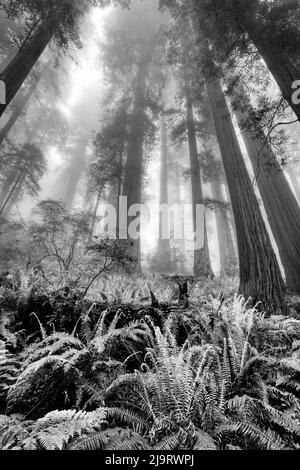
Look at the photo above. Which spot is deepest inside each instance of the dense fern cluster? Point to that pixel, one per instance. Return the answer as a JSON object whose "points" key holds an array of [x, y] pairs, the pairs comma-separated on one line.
{"points": [[9, 371], [216, 375], [207, 396]]}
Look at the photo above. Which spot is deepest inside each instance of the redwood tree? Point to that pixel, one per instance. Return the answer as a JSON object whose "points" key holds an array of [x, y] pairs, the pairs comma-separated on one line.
{"points": [[260, 276], [19, 108], [132, 187], [162, 260], [75, 170], [294, 174], [281, 206], [272, 27], [202, 266], [54, 19]]}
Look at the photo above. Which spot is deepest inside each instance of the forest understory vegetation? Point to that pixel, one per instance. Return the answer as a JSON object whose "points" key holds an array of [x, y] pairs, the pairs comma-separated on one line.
{"points": [[132, 367], [119, 330]]}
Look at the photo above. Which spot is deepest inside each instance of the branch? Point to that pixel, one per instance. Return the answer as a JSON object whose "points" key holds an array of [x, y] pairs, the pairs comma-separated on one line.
{"points": [[266, 141], [106, 266]]}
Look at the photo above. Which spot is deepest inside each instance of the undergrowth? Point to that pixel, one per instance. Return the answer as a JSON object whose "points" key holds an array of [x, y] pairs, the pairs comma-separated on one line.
{"points": [[215, 375]]}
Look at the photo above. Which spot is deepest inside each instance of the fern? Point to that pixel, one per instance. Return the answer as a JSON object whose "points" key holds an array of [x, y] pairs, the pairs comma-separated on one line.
{"points": [[253, 435], [215, 376], [9, 370], [53, 432], [166, 393], [204, 441], [168, 443], [111, 439], [188, 387]]}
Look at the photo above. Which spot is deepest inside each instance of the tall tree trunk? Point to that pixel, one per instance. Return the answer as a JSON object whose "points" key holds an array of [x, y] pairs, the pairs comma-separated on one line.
{"points": [[283, 70], [19, 109], [281, 65], [12, 53], [178, 251], [260, 276], [163, 249], [14, 199], [231, 216], [202, 266], [75, 172], [9, 181], [119, 194], [295, 180], [120, 184], [12, 193], [228, 257], [94, 215], [132, 188], [281, 206], [18, 69]]}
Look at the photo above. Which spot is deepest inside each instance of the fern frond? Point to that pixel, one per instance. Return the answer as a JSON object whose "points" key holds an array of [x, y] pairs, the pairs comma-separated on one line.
{"points": [[9, 370], [168, 443], [58, 428], [129, 418], [256, 437], [204, 441]]}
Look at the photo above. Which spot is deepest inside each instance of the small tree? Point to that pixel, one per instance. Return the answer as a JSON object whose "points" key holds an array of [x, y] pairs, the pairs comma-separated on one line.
{"points": [[63, 255]]}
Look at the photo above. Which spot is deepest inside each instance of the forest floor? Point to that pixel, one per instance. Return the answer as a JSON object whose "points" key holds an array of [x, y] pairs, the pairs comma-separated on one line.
{"points": [[131, 367]]}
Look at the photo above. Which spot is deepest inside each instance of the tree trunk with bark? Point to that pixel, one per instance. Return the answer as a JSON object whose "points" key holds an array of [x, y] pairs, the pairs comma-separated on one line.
{"points": [[283, 70], [260, 276], [19, 109], [94, 215], [202, 265], [228, 256], [178, 247], [280, 63], [12, 53], [13, 193], [295, 180], [132, 187], [9, 181], [14, 198], [75, 171], [281, 206], [163, 256], [18, 69]]}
